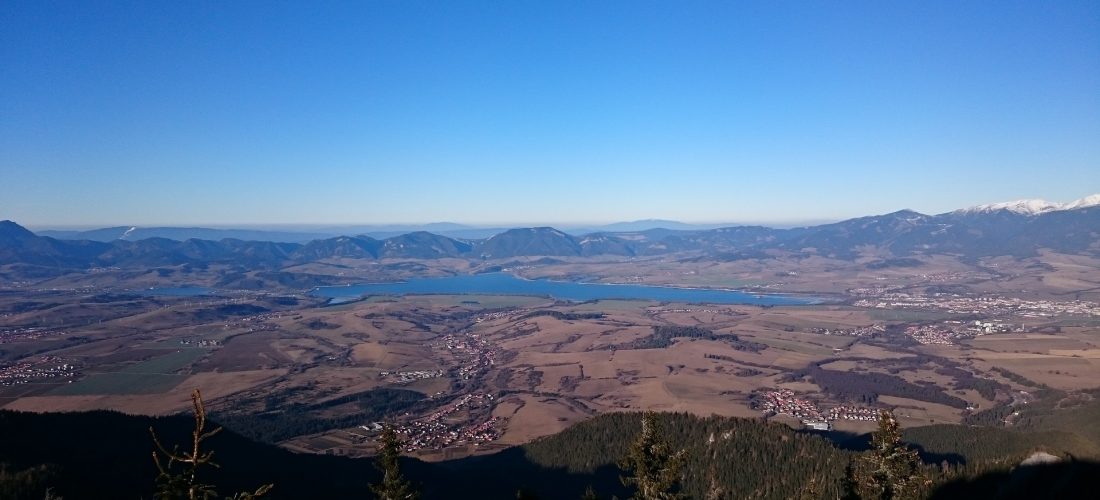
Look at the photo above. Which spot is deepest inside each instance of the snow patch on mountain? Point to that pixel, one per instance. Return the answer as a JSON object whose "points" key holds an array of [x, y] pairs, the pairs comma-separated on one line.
{"points": [[1088, 201], [1034, 207]]}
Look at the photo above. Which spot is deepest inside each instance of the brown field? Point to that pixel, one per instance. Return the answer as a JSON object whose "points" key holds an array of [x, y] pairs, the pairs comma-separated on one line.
{"points": [[551, 372], [530, 417], [254, 351], [214, 386], [913, 413]]}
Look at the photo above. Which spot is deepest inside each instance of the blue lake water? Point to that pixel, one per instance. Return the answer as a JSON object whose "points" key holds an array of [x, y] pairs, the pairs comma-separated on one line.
{"points": [[506, 284]]}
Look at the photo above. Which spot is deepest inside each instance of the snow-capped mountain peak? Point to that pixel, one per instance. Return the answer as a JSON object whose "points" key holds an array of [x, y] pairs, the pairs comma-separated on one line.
{"points": [[1023, 207], [1034, 207], [1088, 201]]}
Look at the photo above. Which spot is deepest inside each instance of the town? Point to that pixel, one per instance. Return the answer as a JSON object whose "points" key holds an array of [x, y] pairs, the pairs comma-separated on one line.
{"points": [[987, 306]]}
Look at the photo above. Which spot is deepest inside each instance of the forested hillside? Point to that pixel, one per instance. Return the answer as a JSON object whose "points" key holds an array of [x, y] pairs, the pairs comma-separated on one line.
{"points": [[745, 458], [108, 455]]}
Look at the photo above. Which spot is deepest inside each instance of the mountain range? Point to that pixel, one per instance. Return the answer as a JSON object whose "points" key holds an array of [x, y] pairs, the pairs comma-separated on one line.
{"points": [[305, 234], [1017, 228]]}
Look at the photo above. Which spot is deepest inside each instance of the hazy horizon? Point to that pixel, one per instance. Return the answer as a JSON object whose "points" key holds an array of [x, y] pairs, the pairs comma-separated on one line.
{"points": [[305, 227]]}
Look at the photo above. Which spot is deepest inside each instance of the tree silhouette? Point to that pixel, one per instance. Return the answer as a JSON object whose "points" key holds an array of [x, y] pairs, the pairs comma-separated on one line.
{"points": [[184, 484], [890, 470], [654, 469], [393, 486]]}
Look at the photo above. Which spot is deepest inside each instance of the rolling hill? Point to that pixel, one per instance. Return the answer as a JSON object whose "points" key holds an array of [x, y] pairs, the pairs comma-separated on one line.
{"points": [[969, 234]]}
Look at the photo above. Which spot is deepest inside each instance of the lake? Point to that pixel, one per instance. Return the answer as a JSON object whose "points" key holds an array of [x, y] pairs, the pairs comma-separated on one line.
{"points": [[506, 284]]}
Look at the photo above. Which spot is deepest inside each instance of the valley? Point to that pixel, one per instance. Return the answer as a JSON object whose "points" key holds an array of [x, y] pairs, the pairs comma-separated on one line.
{"points": [[937, 338]]}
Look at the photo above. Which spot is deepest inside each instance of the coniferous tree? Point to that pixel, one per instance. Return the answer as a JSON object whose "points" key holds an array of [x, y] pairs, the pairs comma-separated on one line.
{"points": [[394, 486], [589, 494], [890, 470], [653, 467], [173, 484]]}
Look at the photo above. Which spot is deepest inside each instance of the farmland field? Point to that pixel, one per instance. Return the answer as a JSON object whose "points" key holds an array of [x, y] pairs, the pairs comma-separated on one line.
{"points": [[153, 376]]}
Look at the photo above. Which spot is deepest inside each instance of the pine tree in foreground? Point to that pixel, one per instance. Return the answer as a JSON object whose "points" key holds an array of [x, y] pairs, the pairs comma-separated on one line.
{"points": [[393, 485], [183, 484], [654, 469], [890, 470]]}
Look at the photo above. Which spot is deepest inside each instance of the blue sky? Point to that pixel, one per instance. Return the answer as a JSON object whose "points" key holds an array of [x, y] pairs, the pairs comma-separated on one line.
{"points": [[550, 112]]}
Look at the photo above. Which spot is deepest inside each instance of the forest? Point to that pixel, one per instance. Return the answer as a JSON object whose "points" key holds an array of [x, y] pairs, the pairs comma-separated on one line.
{"points": [[283, 420], [664, 335], [107, 455], [866, 387]]}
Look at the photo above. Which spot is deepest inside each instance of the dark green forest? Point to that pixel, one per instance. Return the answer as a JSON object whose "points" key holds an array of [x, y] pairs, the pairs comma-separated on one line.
{"points": [[664, 335], [282, 420], [108, 455]]}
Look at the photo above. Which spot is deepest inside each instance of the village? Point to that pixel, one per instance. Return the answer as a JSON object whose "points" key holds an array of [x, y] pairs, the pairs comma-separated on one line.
{"points": [[257, 322], [405, 377], [863, 331], [708, 310], [786, 402], [439, 430], [27, 333], [46, 367], [951, 332], [472, 352], [495, 315], [201, 342], [465, 421]]}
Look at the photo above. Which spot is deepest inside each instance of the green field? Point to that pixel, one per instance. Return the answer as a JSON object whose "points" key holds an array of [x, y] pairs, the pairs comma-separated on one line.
{"points": [[616, 305], [120, 383], [483, 301], [152, 376]]}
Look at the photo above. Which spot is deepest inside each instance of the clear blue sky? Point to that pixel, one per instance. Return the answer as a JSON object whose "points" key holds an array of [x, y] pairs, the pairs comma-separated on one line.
{"points": [[540, 111]]}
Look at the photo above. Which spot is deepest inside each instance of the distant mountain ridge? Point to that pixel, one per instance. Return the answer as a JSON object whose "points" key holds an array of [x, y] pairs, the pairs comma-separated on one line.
{"points": [[134, 233], [1034, 206], [310, 233], [1073, 228]]}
